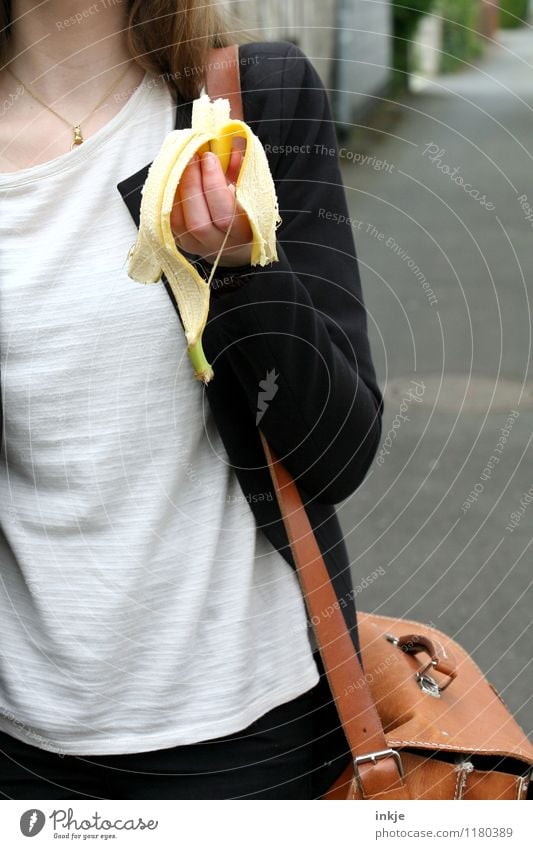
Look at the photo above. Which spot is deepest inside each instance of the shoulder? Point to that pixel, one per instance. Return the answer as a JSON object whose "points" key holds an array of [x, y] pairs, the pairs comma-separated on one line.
{"points": [[279, 83], [274, 65]]}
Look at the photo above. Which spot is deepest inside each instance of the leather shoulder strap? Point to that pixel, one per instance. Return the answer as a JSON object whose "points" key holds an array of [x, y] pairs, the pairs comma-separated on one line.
{"points": [[379, 778], [224, 78]]}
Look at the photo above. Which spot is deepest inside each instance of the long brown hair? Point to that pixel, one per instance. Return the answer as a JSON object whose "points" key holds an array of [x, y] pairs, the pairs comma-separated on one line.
{"points": [[167, 37]]}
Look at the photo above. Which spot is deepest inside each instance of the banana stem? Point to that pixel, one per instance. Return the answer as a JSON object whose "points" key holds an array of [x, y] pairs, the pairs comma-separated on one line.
{"points": [[202, 369]]}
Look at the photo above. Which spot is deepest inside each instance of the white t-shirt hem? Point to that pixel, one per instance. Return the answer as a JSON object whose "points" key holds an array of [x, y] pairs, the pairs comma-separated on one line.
{"points": [[135, 744]]}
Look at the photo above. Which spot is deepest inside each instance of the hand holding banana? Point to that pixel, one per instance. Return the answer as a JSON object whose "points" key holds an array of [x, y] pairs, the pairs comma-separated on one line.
{"points": [[205, 210], [189, 206]]}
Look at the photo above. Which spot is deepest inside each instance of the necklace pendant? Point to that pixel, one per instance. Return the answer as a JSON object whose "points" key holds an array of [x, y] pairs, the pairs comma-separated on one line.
{"points": [[78, 138]]}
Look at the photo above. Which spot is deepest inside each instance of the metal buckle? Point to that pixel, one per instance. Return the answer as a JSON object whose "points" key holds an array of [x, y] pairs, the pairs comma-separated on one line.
{"points": [[426, 683], [523, 783], [373, 757]]}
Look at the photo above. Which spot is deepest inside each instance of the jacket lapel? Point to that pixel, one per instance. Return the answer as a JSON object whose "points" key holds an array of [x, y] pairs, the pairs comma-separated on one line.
{"points": [[131, 189]]}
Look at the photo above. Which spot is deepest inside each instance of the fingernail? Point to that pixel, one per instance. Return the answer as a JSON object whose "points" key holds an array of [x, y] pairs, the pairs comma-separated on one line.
{"points": [[208, 159]]}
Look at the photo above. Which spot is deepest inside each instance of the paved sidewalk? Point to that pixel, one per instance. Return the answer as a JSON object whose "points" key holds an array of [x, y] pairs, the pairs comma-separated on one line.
{"points": [[446, 251]]}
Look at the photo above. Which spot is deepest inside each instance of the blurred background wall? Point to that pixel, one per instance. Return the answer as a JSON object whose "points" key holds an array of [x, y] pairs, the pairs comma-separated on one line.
{"points": [[349, 42], [364, 49]]}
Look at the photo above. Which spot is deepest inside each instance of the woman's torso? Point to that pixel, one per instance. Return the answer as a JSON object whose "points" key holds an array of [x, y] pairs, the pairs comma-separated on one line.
{"points": [[140, 606]]}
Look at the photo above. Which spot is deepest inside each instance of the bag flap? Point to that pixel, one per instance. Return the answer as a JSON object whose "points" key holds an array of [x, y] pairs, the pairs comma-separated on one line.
{"points": [[468, 715]]}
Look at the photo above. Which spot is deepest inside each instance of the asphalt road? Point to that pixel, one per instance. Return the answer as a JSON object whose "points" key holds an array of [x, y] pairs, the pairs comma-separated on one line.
{"points": [[446, 251]]}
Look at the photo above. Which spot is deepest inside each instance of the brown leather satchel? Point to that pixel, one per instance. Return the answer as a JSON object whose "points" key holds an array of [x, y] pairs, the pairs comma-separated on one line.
{"points": [[412, 734]]}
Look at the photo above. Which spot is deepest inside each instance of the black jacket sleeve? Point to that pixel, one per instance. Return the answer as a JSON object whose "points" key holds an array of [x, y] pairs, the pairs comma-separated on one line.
{"points": [[300, 324]]}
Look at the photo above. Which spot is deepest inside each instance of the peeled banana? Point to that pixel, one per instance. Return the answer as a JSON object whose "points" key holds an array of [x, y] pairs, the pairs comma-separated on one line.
{"points": [[155, 250]]}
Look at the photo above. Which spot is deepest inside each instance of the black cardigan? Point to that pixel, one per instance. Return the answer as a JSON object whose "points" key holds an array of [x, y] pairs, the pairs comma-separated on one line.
{"points": [[303, 317]]}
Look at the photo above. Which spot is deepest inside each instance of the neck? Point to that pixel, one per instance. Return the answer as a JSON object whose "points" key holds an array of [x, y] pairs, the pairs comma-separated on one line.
{"points": [[60, 46]]}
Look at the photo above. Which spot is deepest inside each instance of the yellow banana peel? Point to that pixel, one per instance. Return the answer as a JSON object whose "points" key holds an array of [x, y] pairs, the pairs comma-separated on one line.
{"points": [[155, 251]]}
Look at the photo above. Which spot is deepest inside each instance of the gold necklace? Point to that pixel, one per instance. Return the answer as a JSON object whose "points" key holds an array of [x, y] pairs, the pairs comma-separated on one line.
{"points": [[76, 128]]}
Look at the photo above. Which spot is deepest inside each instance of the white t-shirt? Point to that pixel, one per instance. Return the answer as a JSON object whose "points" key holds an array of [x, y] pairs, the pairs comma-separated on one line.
{"points": [[140, 607]]}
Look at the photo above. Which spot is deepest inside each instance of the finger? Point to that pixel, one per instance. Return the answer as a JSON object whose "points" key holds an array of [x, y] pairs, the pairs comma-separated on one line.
{"points": [[196, 213], [236, 160], [186, 242], [241, 232], [190, 245], [219, 198], [239, 238], [177, 217]]}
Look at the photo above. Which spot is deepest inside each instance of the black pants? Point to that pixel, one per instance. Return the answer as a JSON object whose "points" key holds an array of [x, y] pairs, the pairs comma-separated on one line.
{"points": [[294, 751]]}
